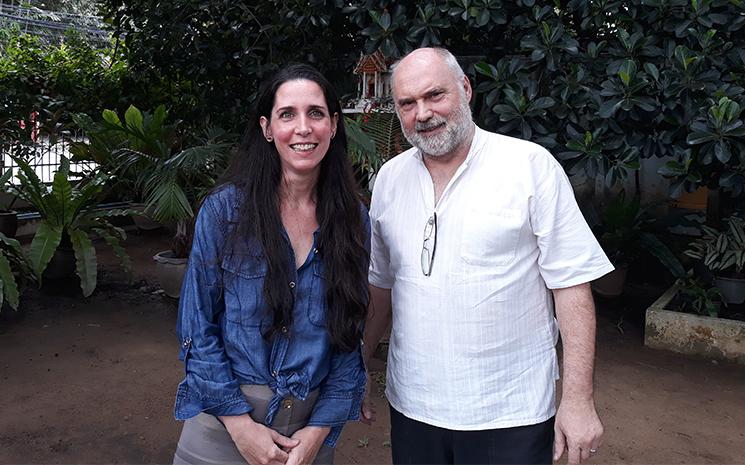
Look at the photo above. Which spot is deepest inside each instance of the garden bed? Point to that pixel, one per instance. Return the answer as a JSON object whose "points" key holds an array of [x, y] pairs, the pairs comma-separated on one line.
{"points": [[716, 338]]}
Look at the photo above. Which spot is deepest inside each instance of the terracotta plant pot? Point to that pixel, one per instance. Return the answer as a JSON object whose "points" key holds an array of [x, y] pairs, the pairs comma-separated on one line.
{"points": [[170, 272]]}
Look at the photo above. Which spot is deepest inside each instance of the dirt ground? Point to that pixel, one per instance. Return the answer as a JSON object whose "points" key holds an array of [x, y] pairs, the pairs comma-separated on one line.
{"points": [[93, 381]]}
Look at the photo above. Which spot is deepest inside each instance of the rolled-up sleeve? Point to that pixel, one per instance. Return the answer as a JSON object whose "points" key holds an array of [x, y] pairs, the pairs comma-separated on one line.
{"points": [[209, 385], [341, 394]]}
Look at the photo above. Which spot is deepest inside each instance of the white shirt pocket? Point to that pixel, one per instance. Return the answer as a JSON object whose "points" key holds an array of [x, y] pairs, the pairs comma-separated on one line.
{"points": [[490, 237]]}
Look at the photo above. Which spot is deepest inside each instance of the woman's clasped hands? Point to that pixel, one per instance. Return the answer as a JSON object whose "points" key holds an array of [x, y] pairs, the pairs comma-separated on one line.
{"points": [[261, 445]]}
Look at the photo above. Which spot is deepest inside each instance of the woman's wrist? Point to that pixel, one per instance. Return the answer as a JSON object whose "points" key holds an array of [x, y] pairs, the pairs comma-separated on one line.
{"points": [[319, 432], [232, 422]]}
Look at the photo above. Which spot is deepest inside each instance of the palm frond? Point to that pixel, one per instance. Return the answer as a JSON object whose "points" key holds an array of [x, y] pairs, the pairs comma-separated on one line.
{"points": [[168, 202]]}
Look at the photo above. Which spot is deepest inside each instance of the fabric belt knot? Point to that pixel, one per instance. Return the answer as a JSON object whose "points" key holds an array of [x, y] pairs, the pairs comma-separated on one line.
{"points": [[296, 385]]}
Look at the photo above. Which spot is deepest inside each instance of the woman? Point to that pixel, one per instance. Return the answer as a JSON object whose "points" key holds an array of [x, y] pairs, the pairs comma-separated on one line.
{"points": [[275, 293]]}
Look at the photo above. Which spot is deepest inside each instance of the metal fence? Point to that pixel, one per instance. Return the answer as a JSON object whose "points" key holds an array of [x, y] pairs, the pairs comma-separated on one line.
{"points": [[44, 156], [50, 25]]}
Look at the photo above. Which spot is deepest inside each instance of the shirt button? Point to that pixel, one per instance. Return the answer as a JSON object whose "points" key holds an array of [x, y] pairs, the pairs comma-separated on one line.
{"points": [[274, 374], [287, 403], [284, 329], [292, 284], [315, 250], [187, 342]]}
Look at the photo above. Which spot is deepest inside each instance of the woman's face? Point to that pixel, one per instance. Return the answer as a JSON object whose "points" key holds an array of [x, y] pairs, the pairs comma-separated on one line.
{"points": [[300, 126]]}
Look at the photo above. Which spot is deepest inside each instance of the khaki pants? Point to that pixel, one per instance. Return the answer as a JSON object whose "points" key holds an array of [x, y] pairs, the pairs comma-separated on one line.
{"points": [[205, 441]]}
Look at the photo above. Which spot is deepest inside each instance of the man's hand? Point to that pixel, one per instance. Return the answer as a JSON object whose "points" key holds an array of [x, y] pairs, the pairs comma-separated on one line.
{"points": [[578, 431], [258, 444], [310, 441], [367, 413]]}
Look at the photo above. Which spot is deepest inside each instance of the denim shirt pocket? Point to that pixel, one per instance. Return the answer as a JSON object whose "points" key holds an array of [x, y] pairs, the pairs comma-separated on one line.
{"points": [[318, 302], [243, 280]]}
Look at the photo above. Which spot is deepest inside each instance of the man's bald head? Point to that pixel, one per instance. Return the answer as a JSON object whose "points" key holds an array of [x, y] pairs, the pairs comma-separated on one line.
{"points": [[426, 58]]}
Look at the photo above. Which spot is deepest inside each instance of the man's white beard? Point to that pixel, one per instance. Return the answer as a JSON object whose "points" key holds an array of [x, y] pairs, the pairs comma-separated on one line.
{"points": [[456, 130]]}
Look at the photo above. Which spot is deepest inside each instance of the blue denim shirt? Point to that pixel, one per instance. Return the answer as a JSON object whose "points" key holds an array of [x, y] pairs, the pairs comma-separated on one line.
{"points": [[221, 317]]}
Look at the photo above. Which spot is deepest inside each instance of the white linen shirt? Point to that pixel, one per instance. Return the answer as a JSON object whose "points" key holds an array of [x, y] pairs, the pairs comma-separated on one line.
{"points": [[473, 345]]}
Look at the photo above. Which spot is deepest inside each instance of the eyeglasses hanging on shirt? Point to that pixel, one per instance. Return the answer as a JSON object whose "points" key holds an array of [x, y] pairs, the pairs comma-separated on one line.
{"points": [[429, 244]]}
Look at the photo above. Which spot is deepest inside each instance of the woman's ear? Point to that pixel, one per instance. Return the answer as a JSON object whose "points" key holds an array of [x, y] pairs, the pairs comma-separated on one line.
{"points": [[334, 124], [264, 123]]}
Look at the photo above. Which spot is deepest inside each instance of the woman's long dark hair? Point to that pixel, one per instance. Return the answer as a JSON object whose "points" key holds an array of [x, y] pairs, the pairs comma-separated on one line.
{"points": [[256, 171]]}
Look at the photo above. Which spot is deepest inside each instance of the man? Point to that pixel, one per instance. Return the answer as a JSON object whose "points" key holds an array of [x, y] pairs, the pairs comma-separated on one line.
{"points": [[472, 362]]}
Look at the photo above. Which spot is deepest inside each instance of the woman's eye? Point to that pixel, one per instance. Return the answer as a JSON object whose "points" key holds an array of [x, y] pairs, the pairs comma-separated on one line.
{"points": [[317, 114], [285, 115]]}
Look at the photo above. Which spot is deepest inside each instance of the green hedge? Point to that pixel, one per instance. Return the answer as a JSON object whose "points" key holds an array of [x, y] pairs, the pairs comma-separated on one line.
{"points": [[600, 83], [56, 78]]}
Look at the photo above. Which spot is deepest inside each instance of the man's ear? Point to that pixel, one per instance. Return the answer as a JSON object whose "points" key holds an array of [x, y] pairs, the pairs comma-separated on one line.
{"points": [[467, 88]]}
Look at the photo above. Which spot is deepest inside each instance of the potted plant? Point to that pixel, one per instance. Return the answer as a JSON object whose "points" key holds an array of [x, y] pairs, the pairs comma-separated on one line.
{"points": [[103, 140], [8, 216], [62, 242], [625, 230], [167, 173], [698, 298], [14, 273], [15, 140], [723, 253]]}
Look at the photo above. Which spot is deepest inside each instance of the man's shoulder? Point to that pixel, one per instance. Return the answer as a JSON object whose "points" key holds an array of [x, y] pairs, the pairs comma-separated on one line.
{"points": [[514, 153], [514, 145], [398, 164]]}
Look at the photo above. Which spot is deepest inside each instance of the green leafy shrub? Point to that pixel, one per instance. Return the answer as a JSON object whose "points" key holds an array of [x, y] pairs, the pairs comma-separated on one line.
{"points": [[721, 251], [68, 216], [169, 174], [73, 76], [14, 271], [600, 84]]}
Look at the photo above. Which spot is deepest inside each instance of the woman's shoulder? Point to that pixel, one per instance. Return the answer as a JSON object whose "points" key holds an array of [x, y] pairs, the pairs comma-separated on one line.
{"points": [[223, 201]]}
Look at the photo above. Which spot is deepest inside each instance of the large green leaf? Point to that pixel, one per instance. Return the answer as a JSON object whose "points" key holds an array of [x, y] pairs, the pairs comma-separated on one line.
{"points": [[111, 118], [5, 177], [87, 194], [62, 193], [45, 242], [9, 287], [32, 189], [133, 117], [14, 245], [663, 253], [85, 260], [112, 238]]}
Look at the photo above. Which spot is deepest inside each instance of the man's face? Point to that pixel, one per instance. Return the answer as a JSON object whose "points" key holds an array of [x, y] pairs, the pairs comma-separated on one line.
{"points": [[432, 104]]}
